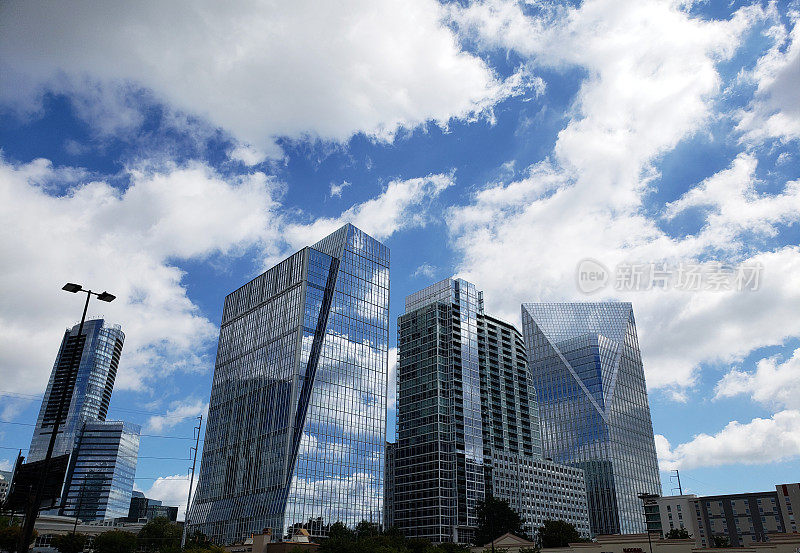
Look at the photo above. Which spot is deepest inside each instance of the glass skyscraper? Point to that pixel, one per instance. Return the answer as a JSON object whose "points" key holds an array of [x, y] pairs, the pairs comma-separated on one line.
{"points": [[102, 470], [88, 391], [297, 417], [589, 378], [468, 422]]}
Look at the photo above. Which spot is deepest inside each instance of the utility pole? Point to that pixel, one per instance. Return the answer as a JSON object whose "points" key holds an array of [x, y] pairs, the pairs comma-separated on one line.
{"points": [[32, 512], [191, 481], [678, 476]]}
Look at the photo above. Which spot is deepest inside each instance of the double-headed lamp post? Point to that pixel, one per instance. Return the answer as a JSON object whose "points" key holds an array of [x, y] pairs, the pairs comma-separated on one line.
{"points": [[33, 507]]}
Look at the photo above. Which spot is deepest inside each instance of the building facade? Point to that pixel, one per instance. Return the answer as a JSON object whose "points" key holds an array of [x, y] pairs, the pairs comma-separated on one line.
{"points": [[466, 406], [88, 391], [788, 500], [145, 508], [5, 483], [388, 485], [589, 379], [102, 469], [297, 417]]}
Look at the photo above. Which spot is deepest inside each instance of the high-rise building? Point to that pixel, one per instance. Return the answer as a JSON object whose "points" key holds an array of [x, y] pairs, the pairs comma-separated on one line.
{"points": [[466, 406], [88, 390], [297, 417], [102, 470], [589, 378], [388, 485]]}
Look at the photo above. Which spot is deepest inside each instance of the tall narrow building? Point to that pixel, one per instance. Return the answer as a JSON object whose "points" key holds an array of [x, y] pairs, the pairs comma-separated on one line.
{"points": [[297, 417], [589, 378], [468, 422], [88, 391]]}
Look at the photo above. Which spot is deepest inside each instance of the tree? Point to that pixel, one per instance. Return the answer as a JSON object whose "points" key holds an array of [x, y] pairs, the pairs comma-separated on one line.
{"points": [[70, 543], [10, 531], [160, 535], [115, 541], [558, 533], [495, 518], [678, 534], [720, 541]]}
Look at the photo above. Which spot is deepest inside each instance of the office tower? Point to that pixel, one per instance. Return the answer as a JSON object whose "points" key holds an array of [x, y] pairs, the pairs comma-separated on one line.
{"points": [[388, 486], [5, 484], [142, 507], [465, 406], [589, 379], [297, 417], [88, 390], [102, 470]]}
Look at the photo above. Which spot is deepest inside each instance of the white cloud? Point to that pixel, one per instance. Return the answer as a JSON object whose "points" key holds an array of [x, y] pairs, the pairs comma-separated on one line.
{"points": [[249, 155], [172, 491], [6, 464], [178, 412], [773, 384], [402, 204], [759, 441], [426, 270], [259, 70], [59, 228], [586, 200], [337, 189], [775, 109]]}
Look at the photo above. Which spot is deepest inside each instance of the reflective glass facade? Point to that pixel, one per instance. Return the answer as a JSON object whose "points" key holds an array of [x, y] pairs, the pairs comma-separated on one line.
{"points": [[439, 474], [88, 392], [589, 378], [297, 417], [102, 470]]}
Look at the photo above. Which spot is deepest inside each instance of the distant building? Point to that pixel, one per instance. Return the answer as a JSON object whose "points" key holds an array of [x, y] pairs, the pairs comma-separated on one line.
{"points": [[144, 508], [741, 519], [468, 422], [388, 486], [589, 378], [50, 526], [102, 469], [639, 543], [5, 483], [87, 393], [297, 417]]}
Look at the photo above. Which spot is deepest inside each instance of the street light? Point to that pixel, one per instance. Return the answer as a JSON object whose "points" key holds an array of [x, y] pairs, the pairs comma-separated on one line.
{"points": [[33, 508]]}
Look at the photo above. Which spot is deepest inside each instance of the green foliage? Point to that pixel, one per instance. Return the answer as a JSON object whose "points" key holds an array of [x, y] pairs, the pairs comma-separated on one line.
{"points": [[160, 536], [678, 534], [70, 543], [495, 518], [558, 533], [115, 541], [367, 537], [199, 543], [720, 541], [10, 531]]}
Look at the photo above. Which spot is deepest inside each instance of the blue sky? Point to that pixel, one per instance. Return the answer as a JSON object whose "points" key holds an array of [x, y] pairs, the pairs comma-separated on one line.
{"points": [[170, 153]]}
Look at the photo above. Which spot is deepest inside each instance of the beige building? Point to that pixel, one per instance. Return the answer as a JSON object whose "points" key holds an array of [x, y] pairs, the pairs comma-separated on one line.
{"points": [[507, 543], [50, 526], [261, 543], [789, 496]]}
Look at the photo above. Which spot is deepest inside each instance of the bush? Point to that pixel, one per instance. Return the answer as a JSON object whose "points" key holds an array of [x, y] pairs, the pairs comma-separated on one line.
{"points": [[115, 541], [70, 543]]}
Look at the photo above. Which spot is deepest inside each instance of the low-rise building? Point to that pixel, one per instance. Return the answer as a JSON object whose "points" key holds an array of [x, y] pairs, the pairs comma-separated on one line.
{"points": [[789, 497], [50, 526], [639, 543]]}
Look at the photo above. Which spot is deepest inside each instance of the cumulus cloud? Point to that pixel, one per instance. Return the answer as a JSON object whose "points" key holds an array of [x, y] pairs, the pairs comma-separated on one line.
{"points": [[426, 270], [759, 441], [587, 199], [337, 189], [178, 412], [172, 491], [259, 70], [774, 384], [61, 226], [775, 110]]}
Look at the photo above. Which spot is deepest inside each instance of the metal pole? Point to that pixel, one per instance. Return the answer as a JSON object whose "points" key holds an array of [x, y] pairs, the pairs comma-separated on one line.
{"points": [[191, 483], [678, 475], [33, 509], [649, 540]]}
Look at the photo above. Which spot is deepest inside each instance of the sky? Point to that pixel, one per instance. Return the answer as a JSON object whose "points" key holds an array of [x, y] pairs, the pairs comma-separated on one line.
{"points": [[546, 151]]}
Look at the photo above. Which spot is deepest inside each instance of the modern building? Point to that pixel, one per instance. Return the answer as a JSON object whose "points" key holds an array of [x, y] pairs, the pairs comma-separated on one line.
{"points": [[297, 416], [789, 498], [388, 485], [145, 508], [87, 391], [589, 379], [100, 479], [738, 519], [468, 423], [5, 484]]}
